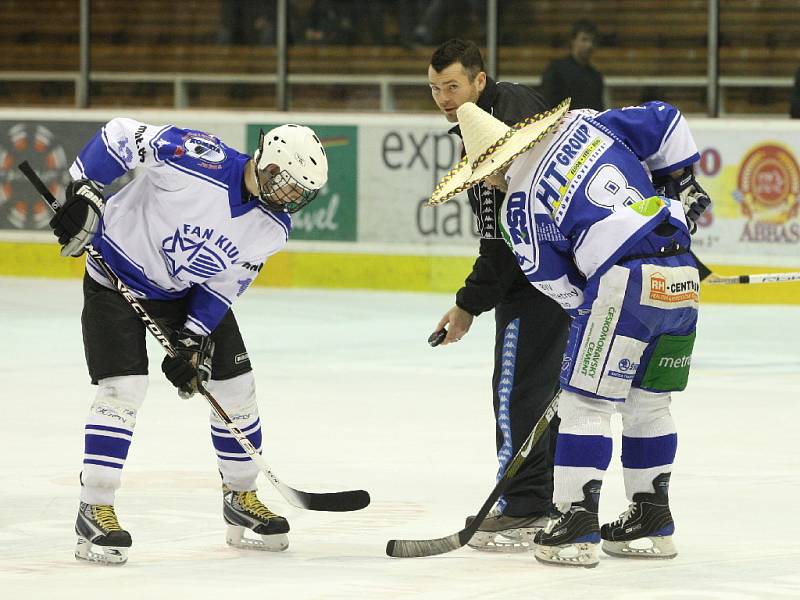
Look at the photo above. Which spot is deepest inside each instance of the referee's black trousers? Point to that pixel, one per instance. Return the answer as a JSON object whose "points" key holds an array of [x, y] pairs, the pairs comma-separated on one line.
{"points": [[531, 333]]}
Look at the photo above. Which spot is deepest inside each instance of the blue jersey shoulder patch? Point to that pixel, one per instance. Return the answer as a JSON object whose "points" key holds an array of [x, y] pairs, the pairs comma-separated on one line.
{"points": [[191, 149]]}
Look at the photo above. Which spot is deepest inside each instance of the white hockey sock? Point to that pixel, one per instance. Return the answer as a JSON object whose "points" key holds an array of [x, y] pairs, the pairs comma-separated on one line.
{"points": [[649, 439], [583, 448], [108, 435], [237, 396]]}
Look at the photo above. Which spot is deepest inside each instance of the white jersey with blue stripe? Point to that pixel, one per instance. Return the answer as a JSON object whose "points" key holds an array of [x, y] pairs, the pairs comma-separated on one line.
{"points": [[581, 199], [185, 227]]}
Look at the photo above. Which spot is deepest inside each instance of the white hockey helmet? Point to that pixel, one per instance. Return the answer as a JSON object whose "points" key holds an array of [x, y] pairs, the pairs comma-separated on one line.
{"points": [[302, 167]]}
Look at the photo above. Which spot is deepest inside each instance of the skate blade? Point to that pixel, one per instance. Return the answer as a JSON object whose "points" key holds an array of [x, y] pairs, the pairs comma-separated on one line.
{"points": [[657, 547], [266, 543], [568, 555], [508, 541], [110, 555]]}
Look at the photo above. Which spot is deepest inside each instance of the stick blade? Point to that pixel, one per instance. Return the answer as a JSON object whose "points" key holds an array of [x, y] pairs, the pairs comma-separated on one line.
{"points": [[419, 548], [335, 501]]}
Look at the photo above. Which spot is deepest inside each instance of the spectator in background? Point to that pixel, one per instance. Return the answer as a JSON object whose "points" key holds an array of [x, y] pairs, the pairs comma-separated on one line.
{"points": [[246, 23], [330, 22], [345, 22], [442, 15], [652, 93], [574, 76], [407, 12], [794, 101]]}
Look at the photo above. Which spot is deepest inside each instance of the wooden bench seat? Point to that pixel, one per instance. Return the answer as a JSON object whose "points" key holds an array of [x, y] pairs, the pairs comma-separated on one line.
{"points": [[513, 60], [759, 62], [39, 57], [610, 61], [543, 22], [518, 60]]}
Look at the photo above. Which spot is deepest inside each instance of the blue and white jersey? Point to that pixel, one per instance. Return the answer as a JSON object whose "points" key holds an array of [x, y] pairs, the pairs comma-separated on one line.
{"points": [[582, 199], [185, 226]]}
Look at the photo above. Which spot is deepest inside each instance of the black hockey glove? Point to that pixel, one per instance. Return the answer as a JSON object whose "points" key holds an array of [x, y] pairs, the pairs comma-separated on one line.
{"points": [[76, 222], [191, 365], [687, 191]]}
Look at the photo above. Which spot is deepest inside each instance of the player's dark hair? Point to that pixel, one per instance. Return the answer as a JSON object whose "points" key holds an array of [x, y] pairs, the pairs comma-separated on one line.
{"points": [[583, 26], [463, 51]]}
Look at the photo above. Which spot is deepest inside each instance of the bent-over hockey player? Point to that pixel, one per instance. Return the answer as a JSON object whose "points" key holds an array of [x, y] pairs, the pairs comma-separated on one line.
{"points": [[588, 229], [188, 235]]}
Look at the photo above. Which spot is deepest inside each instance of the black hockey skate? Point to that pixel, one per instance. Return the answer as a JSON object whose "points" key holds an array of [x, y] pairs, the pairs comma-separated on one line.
{"points": [[572, 539], [243, 510], [97, 525], [645, 529], [504, 533]]}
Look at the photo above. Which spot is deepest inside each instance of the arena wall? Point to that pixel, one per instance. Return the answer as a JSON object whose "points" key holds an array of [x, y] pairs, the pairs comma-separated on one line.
{"points": [[370, 229]]}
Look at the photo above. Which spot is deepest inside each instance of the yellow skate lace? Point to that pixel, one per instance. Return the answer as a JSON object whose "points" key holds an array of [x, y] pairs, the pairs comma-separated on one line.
{"points": [[105, 516], [250, 502]]}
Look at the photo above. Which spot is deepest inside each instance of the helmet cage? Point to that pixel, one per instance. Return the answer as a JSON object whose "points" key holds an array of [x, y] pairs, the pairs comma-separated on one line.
{"points": [[283, 193]]}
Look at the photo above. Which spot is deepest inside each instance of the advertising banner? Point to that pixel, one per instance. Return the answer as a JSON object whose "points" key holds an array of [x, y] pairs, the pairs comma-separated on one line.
{"points": [[50, 147], [400, 163], [749, 168], [333, 215], [382, 170], [751, 173]]}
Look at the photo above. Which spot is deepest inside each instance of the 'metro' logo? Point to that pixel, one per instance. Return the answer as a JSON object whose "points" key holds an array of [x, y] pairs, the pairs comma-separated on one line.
{"points": [[673, 362]]}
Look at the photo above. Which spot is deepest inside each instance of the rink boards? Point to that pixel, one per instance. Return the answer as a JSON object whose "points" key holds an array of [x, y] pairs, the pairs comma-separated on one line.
{"points": [[370, 228], [377, 271]]}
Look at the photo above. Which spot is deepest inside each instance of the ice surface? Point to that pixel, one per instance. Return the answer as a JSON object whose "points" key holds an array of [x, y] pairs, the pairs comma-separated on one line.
{"points": [[352, 396]]}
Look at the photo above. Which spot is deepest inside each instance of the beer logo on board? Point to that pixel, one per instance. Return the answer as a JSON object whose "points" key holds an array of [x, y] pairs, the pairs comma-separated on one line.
{"points": [[769, 184]]}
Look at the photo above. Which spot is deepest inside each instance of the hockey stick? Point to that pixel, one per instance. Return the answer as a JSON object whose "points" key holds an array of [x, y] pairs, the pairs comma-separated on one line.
{"points": [[331, 502], [417, 548], [702, 269], [762, 278], [706, 276]]}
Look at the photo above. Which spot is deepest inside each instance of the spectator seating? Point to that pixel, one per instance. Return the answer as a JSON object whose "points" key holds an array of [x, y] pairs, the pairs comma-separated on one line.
{"points": [[646, 38]]}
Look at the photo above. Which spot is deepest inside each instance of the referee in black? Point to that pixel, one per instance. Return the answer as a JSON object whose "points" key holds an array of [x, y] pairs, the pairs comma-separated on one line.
{"points": [[531, 329]]}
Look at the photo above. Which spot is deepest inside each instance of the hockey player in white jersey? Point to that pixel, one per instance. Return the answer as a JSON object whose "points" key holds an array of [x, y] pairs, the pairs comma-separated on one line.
{"points": [[584, 221], [188, 236]]}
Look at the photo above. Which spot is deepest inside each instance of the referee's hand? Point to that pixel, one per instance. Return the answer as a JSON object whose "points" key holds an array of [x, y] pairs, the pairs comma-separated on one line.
{"points": [[456, 322]]}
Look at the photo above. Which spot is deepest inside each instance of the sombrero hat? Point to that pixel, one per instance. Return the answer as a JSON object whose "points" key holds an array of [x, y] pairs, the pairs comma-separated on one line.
{"points": [[490, 145]]}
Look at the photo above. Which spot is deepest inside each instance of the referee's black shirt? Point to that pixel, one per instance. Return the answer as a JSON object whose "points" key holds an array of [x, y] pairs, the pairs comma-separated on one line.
{"points": [[496, 276]]}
